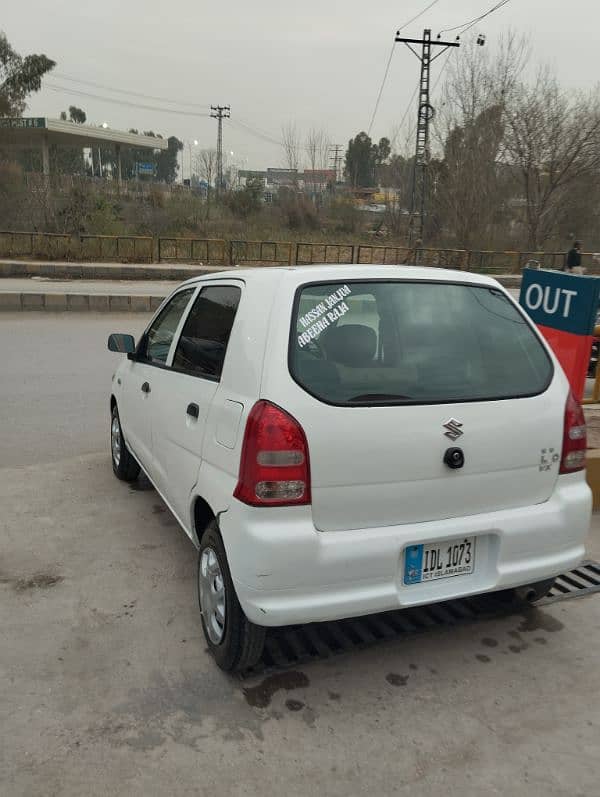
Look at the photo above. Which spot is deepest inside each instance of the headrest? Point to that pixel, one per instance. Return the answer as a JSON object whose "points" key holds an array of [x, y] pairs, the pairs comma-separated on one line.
{"points": [[350, 344]]}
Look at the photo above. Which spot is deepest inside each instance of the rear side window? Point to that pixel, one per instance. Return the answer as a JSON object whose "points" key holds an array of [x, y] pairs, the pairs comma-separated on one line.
{"points": [[408, 342], [203, 343]]}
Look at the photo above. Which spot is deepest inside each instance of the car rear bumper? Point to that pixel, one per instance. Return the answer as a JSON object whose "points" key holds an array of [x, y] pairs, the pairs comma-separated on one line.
{"points": [[287, 572]]}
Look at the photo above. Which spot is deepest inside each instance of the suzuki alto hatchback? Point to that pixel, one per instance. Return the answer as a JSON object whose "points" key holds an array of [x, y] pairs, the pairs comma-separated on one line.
{"points": [[343, 440]]}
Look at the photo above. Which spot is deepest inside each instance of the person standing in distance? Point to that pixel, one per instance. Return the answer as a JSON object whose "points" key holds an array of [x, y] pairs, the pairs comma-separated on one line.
{"points": [[573, 264]]}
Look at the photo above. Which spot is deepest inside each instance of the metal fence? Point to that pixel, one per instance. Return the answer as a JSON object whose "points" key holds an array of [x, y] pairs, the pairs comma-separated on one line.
{"points": [[32, 244], [192, 250], [308, 254], [383, 255], [264, 253], [118, 248], [217, 251], [59, 246]]}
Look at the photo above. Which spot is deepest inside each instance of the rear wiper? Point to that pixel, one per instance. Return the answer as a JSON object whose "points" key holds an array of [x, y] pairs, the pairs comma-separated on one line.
{"points": [[380, 397]]}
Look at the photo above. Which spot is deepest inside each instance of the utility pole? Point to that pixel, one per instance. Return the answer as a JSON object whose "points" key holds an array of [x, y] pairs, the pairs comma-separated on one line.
{"points": [[336, 158], [425, 115], [220, 112]]}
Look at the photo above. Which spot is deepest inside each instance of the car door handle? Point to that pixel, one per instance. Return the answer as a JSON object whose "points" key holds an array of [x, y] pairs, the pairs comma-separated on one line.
{"points": [[193, 410], [145, 387]]}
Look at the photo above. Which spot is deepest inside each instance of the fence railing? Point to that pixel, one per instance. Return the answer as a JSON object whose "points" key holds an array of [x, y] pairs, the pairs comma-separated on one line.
{"points": [[193, 250], [119, 248], [307, 254], [382, 255], [59, 246], [218, 251], [260, 253]]}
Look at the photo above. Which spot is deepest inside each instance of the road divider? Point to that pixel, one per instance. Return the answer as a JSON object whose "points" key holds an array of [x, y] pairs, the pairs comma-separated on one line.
{"points": [[79, 302]]}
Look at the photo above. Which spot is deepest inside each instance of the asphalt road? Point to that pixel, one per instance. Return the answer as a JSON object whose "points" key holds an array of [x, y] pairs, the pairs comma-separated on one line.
{"points": [[55, 382], [105, 684]]}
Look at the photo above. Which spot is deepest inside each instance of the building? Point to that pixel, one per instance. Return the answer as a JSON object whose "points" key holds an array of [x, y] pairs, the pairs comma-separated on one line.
{"points": [[41, 132]]}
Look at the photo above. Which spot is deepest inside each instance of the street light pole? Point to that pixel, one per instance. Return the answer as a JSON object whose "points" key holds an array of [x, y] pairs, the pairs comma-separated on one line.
{"points": [[195, 143]]}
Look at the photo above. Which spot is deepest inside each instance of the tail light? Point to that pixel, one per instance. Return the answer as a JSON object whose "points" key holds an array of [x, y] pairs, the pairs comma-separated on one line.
{"points": [[574, 437], [274, 468]]}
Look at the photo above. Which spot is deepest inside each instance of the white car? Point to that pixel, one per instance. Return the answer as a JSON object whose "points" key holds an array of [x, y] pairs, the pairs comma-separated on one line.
{"points": [[343, 440]]}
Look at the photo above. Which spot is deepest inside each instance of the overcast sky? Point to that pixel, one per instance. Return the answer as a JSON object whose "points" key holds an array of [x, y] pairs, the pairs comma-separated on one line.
{"points": [[316, 62]]}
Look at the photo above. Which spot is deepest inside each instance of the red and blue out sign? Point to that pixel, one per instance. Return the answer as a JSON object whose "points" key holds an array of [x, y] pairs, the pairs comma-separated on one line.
{"points": [[563, 307]]}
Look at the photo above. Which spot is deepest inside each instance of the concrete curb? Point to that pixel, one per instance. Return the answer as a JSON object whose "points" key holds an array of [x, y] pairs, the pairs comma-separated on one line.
{"points": [[176, 272], [79, 302], [105, 271], [593, 474]]}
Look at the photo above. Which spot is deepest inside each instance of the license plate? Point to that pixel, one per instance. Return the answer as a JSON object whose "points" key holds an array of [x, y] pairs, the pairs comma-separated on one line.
{"points": [[439, 560]]}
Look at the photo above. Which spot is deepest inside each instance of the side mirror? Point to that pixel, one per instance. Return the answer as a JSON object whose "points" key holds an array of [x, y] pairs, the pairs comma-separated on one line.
{"points": [[124, 344]]}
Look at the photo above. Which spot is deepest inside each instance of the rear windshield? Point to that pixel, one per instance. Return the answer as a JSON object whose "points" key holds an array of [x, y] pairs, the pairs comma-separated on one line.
{"points": [[410, 342]]}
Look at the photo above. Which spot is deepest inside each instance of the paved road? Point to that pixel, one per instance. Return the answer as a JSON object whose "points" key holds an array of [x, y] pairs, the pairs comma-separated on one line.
{"points": [[55, 382], [106, 685]]}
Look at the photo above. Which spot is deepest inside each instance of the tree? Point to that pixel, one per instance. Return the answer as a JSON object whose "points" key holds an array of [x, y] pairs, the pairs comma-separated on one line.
{"points": [[553, 141], [359, 163], [167, 162], [77, 115], [19, 77], [317, 148], [468, 182], [291, 145], [206, 165], [469, 186], [381, 152]]}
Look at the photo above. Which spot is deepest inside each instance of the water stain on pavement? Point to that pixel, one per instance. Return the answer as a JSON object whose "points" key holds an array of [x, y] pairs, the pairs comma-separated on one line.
{"points": [[38, 581], [261, 695], [536, 620], [396, 680], [489, 642]]}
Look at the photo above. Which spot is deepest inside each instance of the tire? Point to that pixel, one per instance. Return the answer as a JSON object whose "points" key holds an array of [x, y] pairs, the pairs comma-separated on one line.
{"points": [[124, 465], [233, 640]]}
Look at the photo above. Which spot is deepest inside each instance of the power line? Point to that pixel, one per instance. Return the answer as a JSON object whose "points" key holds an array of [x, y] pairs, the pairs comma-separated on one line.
{"points": [[127, 91], [406, 112], [383, 82], [420, 14], [114, 101], [255, 132], [469, 24], [389, 61]]}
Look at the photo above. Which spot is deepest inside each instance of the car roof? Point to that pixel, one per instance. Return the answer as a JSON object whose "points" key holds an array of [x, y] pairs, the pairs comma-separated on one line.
{"points": [[298, 275]]}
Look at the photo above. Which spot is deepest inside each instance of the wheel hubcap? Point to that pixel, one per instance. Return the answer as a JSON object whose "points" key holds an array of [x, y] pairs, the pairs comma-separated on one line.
{"points": [[212, 595], [115, 441]]}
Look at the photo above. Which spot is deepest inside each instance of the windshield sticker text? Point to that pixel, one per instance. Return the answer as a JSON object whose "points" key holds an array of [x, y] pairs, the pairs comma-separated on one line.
{"points": [[322, 315]]}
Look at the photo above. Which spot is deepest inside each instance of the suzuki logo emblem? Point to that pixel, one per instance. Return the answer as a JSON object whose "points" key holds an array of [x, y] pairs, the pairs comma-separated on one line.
{"points": [[454, 428]]}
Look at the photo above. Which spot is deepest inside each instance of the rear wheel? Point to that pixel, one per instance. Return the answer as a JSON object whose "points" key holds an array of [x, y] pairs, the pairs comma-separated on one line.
{"points": [[124, 465], [234, 641]]}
